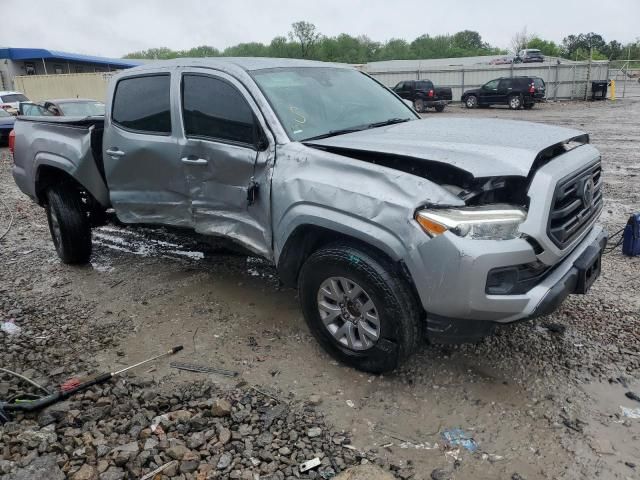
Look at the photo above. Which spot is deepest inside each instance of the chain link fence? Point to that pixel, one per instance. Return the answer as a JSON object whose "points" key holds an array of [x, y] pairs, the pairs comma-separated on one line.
{"points": [[627, 77], [565, 81]]}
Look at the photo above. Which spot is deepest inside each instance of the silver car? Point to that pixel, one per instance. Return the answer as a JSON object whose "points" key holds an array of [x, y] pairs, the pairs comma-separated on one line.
{"points": [[392, 227]]}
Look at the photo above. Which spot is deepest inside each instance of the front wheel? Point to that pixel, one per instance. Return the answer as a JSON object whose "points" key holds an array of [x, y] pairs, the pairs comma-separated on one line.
{"points": [[439, 108], [515, 102], [471, 101], [359, 307], [69, 224]]}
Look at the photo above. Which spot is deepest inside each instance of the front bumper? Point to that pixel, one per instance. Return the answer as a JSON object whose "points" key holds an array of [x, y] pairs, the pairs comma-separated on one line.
{"points": [[455, 291]]}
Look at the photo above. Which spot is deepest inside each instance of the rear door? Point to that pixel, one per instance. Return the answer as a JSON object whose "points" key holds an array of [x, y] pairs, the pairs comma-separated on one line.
{"points": [[505, 88], [141, 156], [227, 153]]}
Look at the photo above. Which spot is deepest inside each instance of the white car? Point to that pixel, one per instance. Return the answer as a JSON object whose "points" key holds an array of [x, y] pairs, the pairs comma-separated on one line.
{"points": [[10, 101]]}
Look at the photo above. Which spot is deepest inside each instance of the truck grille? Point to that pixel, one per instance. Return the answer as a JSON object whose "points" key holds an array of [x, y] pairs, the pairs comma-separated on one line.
{"points": [[577, 201]]}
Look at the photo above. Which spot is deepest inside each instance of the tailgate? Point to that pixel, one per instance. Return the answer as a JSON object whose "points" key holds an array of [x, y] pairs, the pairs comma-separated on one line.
{"points": [[443, 93]]}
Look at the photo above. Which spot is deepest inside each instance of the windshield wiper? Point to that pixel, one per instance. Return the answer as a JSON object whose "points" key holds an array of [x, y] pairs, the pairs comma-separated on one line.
{"points": [[391, 121], [342, 131], [333, 133]]}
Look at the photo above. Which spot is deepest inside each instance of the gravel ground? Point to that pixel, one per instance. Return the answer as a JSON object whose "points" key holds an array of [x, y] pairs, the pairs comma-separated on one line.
{"points": [[541, 399]]}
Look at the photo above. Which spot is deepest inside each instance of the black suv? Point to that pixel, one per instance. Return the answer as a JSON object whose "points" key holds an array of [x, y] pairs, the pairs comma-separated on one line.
{"points": [[424, 94], [517, 92]]}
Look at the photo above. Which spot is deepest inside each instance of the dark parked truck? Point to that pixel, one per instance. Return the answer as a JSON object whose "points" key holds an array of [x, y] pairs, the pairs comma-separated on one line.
{"points": [[423, 94], [391, 227]]}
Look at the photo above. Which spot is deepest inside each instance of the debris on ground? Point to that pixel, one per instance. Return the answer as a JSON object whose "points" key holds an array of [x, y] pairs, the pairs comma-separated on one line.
{"points": [[10, 328], [630, 412], [456, 437], [313, 463], [632, 396], [193, 367]]}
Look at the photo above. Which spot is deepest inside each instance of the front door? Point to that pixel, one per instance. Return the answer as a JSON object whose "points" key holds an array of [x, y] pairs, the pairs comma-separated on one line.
{"points": [[140, 153], [227, 153], [489, 93]]}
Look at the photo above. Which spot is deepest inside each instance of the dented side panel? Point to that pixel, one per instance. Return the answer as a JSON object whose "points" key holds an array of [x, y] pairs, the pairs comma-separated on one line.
{"points": [[372, 203]]}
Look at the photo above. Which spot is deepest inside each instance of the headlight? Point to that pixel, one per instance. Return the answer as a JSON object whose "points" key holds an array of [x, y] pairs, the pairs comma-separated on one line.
{"points": [[490, 222]]}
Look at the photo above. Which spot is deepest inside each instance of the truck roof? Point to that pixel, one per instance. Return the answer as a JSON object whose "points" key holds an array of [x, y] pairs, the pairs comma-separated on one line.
{"points": [[235, 63]]}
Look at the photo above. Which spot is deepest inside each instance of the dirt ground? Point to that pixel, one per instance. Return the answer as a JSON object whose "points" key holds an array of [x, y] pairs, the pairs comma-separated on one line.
{"points": [[541, 399]]}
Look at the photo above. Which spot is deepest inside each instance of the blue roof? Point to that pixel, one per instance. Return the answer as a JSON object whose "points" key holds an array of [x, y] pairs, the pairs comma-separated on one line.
{"points": [[39, 53]]}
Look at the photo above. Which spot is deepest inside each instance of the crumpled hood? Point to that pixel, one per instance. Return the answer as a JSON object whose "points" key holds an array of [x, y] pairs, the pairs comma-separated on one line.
{"points": [[484, 147]]}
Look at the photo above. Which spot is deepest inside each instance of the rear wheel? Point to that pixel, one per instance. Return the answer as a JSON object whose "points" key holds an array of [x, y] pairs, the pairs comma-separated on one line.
{"points": [[439, 108], [419, 105], [515, 102], [359, 307], [69, 224], [471, 101]]}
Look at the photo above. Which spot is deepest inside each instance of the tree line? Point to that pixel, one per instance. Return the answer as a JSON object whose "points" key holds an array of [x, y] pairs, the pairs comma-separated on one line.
{"points": [[305, 41]]}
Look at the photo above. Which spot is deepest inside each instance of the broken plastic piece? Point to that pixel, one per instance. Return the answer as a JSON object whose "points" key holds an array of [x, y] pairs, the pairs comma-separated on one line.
{"points": [[457, 438], [313, 463]]}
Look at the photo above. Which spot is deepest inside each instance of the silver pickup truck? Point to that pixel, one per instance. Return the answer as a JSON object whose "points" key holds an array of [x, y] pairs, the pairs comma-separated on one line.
{"points": [[392, 227]]}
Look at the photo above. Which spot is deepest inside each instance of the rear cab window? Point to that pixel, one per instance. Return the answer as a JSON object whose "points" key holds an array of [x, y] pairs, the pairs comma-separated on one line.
{"points": [[142, 104], [13, 98], [214, 109], [424, 85]]}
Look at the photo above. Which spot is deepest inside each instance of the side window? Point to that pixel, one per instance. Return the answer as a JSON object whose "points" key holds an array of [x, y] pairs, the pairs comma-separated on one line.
{"points": [[142, 104], [214, 108], [492, 85], [504, 84]]}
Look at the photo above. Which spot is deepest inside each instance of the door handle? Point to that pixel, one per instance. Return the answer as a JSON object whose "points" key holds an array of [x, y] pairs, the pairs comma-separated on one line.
{"points": [[115, 152], [195, 161]]}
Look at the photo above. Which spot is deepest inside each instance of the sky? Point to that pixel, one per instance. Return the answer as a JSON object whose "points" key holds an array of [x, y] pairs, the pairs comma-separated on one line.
{"points": [[117, 27]]}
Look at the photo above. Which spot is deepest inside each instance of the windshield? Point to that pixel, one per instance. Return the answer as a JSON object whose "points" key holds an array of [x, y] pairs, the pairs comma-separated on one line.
{"points": [[316, 101], [82, 109]]}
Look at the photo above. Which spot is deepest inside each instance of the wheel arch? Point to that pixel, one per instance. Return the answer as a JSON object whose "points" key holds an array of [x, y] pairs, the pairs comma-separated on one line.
{"points": [[50, 168], [308, 238]]}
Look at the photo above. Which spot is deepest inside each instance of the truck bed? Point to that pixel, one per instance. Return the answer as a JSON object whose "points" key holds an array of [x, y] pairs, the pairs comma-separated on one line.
{"points": [[72, 144]]}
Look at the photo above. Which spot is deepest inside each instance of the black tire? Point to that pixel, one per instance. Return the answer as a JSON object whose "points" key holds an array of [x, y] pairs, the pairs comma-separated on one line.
{"points": [[418, 105], [471, 101], [69, 224], [515, 102], [400, 325], [440, 108]]}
